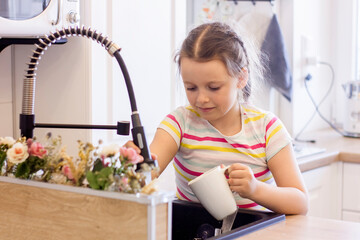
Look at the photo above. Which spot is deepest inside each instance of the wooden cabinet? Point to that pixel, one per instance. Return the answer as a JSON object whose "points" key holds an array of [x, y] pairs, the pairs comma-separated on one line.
{"points": [[351, 192], [37, 210], [324, 188]]}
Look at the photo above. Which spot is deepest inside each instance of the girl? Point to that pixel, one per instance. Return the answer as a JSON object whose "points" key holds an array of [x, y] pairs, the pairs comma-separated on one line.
{"points": [[220, 127]]}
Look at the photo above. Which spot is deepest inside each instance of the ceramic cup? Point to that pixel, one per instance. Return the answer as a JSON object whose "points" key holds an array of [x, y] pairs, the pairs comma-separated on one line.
{"points": [[213, 192]]}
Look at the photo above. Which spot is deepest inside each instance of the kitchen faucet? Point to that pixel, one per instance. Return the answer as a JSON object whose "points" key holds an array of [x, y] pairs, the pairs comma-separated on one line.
{"points": [[27, 117]]}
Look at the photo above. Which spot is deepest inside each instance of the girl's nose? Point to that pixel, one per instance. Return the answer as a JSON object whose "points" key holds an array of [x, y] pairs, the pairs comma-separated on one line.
{"points": [[202, 97]]}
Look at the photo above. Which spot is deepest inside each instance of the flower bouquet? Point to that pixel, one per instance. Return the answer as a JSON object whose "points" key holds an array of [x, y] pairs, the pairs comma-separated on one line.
{"points": [[110, 168]]}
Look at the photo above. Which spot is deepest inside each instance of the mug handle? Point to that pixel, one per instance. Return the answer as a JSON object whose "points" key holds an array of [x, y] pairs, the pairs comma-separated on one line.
{"points": [[224, 168]]}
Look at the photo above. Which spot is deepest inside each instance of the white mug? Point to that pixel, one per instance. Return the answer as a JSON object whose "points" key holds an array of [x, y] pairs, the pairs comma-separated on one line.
{"points": [[213, 192]]}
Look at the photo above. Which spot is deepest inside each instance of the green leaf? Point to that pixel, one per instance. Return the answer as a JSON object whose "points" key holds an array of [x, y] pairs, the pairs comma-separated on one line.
{"points": [[22, 170], [35, 163], [90, 176], [106, 171], [98, 165], [2, 158]]}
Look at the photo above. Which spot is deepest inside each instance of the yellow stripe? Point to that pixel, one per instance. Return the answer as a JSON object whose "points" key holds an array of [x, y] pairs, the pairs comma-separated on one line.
{"points": [[252, 110], [171, 127], [222, 149], [192, 110], [177, 170], [266, 179], [178, 196], [254, 118], [273, 133]]}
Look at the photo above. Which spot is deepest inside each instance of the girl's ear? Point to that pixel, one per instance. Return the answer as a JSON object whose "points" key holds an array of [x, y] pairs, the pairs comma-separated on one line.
{"points": [[243, 78]]}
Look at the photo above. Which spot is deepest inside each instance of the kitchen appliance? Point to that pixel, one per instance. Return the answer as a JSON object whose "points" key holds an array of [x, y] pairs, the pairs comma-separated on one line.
{"points": [[34, 18], [352, 108]]}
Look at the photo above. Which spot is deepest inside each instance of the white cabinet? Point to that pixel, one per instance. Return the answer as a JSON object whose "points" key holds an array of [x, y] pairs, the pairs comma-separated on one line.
{"points": [[351, 216], [324, 188], [351, 192]]}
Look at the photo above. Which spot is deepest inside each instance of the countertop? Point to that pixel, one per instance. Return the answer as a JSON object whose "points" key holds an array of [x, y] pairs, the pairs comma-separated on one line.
{"points": [[305, 227], [338, 148]]}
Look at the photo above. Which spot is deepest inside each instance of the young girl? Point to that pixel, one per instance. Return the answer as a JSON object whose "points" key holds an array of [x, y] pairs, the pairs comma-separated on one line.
{"points": [[220, 127]]}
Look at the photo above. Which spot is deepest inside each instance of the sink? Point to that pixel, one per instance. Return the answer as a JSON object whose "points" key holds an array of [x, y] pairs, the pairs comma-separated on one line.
{"points": [[192, 221]]}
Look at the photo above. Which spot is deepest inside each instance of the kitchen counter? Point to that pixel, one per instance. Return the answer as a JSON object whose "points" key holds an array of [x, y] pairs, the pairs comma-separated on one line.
{"points": [[338, 148], [305, 227]]}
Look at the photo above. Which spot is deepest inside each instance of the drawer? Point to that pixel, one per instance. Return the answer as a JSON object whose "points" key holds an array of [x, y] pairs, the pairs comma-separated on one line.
{"points": [[351, 216]]}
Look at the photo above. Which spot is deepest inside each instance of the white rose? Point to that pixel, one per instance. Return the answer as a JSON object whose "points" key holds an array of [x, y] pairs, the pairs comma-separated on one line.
{"points": [[18, 153], [7, 141], [110, 150]]}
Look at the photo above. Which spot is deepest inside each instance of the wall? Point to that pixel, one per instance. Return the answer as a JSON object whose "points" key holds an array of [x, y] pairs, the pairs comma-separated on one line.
{"points": [[79, 82], [312, 36], [6, 93], [88, 79]]}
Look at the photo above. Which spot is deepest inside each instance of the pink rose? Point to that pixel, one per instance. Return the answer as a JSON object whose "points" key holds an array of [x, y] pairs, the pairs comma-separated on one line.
{"points": [[18, 153], [130, 155], [36, 149], [29, 141], [67, 172]]}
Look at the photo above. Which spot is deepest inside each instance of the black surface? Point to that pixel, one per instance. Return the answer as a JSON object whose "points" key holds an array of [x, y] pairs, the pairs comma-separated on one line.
{"points": [[4, 42], [191, 220]]}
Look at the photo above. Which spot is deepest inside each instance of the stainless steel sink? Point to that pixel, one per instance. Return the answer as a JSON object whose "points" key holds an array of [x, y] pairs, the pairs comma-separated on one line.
{"points": [[192, 221]]}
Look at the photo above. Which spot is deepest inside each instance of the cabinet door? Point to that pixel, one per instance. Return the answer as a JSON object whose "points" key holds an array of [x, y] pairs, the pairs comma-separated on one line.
{"points": [[351, 194], [324, 188], [351, 216]]}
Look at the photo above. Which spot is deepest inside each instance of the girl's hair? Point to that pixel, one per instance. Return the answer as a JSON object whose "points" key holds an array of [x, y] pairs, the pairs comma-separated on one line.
{"points": [[219, 41]]}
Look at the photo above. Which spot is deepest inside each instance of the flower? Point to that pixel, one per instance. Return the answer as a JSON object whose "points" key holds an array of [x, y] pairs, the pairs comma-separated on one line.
{"points": [[112, 169], [36, 149], [18, 153], [67, 172], [130, 155], [110, 150], [9, 141]]}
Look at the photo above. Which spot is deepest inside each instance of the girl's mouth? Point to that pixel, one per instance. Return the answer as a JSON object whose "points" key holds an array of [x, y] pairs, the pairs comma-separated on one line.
{"points": [[205, 110]]}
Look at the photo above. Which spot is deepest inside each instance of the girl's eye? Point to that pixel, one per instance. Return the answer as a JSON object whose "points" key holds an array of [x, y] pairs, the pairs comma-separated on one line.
{"points": [[214, 88], [190, 88]]}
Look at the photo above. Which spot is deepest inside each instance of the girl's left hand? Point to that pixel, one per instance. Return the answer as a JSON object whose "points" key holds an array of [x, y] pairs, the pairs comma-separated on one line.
{"points": [[242, 180]]}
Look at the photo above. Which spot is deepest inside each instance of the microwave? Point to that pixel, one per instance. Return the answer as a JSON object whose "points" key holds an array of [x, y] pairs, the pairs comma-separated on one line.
{"points": [[35, 18]]}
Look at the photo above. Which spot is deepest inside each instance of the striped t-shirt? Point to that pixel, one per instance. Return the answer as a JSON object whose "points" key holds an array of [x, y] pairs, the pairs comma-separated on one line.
{"points": [[202, 147]]}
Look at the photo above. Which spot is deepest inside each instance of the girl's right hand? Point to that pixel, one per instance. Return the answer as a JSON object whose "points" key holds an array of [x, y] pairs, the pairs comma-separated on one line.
{"points": [[131, 144]]}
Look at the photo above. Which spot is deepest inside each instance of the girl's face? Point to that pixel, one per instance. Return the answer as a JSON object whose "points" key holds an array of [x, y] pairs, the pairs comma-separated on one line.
{"points": [[211, 91]]}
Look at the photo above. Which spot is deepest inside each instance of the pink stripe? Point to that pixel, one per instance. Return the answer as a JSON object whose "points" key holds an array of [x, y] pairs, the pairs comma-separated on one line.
{"points": [[186, 169], [270, 123], [235, 145], [183, 195], [259, 145], [248, 205], [192, 137], [174, 119], [261, 173]]}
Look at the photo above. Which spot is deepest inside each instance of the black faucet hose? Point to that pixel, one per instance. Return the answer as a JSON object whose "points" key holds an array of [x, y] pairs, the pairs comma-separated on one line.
{"points": [[27, 117]]}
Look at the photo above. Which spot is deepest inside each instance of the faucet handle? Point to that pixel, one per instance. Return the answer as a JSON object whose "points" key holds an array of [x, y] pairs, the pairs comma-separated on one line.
{"points": [[139, 139], [123, 128]]}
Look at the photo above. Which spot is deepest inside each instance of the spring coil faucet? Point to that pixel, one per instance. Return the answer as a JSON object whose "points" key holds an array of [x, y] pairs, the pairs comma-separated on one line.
{"points": [[27, 117]]}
